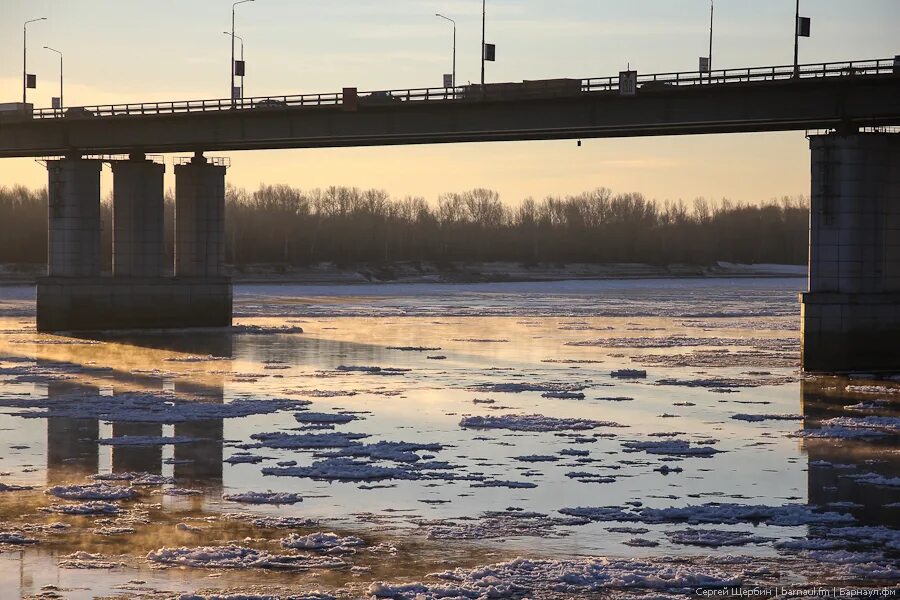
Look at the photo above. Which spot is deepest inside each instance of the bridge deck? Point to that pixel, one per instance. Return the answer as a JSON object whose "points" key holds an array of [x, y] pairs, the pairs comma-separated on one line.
{"points": [[822, 96]]}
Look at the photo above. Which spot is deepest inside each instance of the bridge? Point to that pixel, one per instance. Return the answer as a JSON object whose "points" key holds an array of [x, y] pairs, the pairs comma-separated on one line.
{"points": [[851, 313], [821, 96]]}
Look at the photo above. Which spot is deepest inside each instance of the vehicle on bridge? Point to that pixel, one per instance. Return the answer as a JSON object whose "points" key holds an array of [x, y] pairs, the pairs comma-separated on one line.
{"points": [[270, 103], [15, 111], [538, 88], [77, 112], [376, 98]]}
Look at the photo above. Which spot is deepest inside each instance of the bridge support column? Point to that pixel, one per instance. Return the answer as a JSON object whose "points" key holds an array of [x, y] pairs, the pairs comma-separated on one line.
{"points": [[200, 239], [851, 313], [138, 213], [74, 218], [199, 219]]}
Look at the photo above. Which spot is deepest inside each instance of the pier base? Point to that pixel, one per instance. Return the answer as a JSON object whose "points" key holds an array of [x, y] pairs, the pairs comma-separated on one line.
{"points": [[851, 313], [94, 303]]}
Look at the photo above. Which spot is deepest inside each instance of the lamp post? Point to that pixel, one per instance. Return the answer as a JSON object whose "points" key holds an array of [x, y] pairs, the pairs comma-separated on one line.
{"points": [[483, 26], [60, 75], [711, 9], [454, 44], [242, 59], [797, 41], [25, 58], [231, 66]]}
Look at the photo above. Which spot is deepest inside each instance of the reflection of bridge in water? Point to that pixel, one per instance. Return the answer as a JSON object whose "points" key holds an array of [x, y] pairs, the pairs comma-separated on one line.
{"points": [[73, 446], [834, 483]]}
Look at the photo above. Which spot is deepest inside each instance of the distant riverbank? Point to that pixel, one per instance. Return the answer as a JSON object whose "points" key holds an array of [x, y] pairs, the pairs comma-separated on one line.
{"points": [[425, 272]]}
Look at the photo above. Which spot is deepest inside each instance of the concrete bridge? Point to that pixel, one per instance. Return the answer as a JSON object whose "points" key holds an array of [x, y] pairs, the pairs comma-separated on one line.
{"points": [[851, 314]]}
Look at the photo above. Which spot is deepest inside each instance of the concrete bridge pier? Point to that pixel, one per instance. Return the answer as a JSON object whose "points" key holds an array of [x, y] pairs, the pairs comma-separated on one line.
{"points": [[200, 239], [851, 313], [141, 294], [138, 214], [74, 217]]}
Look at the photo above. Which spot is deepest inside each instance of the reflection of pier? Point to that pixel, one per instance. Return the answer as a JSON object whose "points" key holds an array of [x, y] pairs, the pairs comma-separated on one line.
{"points": [[72, 444], [202, 461], [835, 483]]}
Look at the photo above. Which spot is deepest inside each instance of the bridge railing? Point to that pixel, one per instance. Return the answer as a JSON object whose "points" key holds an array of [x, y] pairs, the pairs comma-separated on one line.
{"points": [[388, 97], [751, 74]]}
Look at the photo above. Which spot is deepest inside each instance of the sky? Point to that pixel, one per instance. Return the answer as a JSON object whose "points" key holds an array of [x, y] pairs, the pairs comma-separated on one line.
{"points": [[119, 51]]}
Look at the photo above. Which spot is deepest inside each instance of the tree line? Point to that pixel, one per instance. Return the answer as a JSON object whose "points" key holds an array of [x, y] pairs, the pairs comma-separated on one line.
{"points": [[283, 224]]}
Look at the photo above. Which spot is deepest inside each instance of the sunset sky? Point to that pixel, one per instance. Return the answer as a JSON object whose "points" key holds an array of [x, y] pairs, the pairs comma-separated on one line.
{"points": [[120, 51]]}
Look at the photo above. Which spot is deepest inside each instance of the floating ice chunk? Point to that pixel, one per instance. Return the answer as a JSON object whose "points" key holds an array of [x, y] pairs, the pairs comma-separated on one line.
{"points": [[574, 452], [518, 388], [641, 543], [372, 370], [413, 348], [86, 560], [239, 557], [319, 417], [585, 477], [559, 578], [845, 433], [320, 541], [532, 423], [305, 596], [182, 492], [147, 408], [244, 458], [263, 330], [283, 522], [875, 479], [887, 424], [671, 448], [766, 417], [714, 538], [535, 458], [264, 498], [564, 395], [288, 441], [97, 491], [629, 374], [15, 538], [11, 487], [873, 389], [195, 359], [148, 440], [714, 513], [507, 484], [404, 452], [86, 508], [341, 469]]}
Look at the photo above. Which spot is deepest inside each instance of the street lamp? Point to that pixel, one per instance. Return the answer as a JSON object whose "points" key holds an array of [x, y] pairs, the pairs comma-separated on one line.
{"points": [[231, 69], [25, 58], [60, 75], [483, 25], [711, 9], [242, 59], [801, 29], [454, 44]]}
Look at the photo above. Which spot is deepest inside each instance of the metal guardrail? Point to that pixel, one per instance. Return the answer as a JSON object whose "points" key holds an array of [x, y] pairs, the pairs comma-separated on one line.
{"points": [[457, 94]]}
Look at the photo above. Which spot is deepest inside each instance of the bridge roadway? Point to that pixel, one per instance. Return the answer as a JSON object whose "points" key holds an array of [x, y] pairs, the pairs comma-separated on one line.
{"points": [[842, 96]]}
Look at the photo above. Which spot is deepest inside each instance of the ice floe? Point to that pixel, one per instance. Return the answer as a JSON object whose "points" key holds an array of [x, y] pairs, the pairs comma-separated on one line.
{"points": [[264, 498], [538, 423], [320, 541], [98, 491], [670, 448], [714, 513], [239, 557]]}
